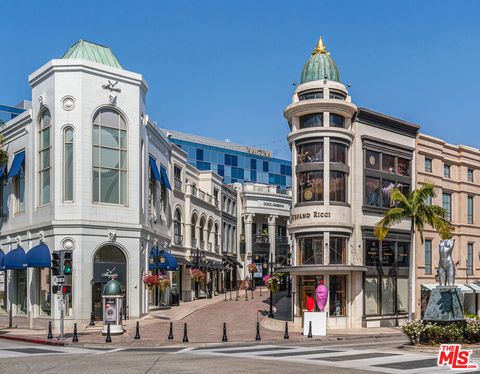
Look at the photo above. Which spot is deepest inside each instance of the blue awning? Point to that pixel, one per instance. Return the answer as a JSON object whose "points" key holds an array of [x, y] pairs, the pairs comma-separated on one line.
{"points": [[170, 263], [2, 255], [15, 259], [3, 171], [154, 167], [16, 164], [39, 257], [165, 180]]}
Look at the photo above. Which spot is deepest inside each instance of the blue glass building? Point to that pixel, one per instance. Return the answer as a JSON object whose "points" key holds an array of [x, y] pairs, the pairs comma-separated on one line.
{"points": [[234, 162], [9, 112]]}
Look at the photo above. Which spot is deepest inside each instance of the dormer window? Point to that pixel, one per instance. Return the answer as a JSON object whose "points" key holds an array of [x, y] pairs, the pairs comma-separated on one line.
{"points": [[337, 95], [310, 95]]}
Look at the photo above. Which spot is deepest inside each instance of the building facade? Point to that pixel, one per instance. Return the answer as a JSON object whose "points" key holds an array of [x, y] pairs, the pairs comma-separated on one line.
{"points": [[345, 162], [88, 173], [455, 171], [234, 162]]}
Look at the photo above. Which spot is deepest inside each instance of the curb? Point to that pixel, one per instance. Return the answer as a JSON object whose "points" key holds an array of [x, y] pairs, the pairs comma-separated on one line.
{"points": [[32, 340]]}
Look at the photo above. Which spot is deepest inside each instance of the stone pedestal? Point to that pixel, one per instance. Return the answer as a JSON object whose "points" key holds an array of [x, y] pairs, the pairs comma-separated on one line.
{"points": [[444, 305]]}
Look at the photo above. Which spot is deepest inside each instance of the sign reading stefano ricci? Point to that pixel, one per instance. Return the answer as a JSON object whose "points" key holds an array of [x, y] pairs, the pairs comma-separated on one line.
{"points": [[309, 215]]}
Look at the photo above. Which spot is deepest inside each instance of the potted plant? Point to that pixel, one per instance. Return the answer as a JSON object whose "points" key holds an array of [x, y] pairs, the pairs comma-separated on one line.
{"points": [[164, 282], [197, 275], [252, 268], [151, 280], [272, 282]]}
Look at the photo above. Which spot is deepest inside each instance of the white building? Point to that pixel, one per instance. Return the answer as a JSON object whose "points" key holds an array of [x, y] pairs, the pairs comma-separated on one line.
{"points": [[87, 172], [345, 161]]}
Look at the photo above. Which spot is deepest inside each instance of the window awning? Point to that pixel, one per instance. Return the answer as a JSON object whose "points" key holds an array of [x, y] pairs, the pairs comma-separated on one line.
{"points": [[170, 263], [463, 288], [39, 257], [165, 180], [16, 164], [474, 287], [15, 259], [153, 165], [184, 261]]}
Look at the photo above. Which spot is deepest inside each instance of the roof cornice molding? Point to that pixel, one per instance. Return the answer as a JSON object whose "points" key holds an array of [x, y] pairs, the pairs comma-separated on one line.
{"points": [[383, 121]]}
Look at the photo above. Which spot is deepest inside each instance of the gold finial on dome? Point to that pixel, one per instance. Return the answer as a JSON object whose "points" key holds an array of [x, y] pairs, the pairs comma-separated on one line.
{"points": [[320, 48]]}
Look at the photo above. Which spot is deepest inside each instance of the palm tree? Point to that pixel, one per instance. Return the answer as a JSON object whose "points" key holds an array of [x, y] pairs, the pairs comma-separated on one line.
{"points": [[414, 207]]}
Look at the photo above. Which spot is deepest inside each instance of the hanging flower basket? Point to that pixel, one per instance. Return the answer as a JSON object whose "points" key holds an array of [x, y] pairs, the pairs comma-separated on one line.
{"points": [[197, 275], [252, 268], [164, 282], [272, 283], [151, 280]]}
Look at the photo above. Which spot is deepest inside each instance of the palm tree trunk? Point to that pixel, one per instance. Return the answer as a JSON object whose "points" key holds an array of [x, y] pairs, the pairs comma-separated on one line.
{"points": [[411, 270]]}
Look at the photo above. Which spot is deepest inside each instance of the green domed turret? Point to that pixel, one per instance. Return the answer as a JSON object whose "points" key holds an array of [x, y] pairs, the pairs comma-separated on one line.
{"points": [[112, 287], [320, 66]]}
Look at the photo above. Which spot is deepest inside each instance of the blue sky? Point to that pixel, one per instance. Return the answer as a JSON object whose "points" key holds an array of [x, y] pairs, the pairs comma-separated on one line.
{"points": [[224, 69]]}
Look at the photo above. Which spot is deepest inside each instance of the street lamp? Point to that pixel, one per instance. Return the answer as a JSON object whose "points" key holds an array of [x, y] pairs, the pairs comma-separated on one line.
{"points": [[196, 259]]}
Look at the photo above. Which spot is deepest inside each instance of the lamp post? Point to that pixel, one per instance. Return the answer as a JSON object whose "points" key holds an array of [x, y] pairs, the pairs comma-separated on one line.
{"points": [[289, 280], [270, 264], [250, 257], [196, 258]]}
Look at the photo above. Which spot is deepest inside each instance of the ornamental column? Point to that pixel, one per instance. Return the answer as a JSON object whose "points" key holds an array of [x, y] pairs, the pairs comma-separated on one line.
{"points": [[272, 235], [248, 219]]}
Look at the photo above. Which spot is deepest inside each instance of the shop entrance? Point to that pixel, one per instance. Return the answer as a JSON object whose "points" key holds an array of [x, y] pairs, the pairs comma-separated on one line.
{"points": [[109, 262]]}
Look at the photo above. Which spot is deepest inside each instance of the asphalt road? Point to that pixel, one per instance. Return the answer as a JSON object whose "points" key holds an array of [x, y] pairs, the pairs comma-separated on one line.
{"points": [[364, 356]]}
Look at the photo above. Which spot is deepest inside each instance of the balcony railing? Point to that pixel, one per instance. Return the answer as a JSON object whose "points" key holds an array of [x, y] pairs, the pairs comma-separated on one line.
{"points": [[194, 243], [217, 248], [202, 244], [178, 239], [209, 246], [201, 194], [261, 239], [177, 184], [194, 190]]}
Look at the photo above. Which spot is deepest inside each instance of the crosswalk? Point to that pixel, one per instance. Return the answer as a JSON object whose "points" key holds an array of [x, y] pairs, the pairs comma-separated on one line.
{"points": [[375, 360]]}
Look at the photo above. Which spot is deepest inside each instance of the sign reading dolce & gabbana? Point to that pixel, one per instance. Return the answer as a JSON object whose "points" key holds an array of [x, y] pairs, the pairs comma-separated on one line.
{"points": [[271, 204], [308, 215]]}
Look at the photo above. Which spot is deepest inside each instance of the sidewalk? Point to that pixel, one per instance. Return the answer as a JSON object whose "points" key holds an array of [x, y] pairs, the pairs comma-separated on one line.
{"points": [[204, 319]]}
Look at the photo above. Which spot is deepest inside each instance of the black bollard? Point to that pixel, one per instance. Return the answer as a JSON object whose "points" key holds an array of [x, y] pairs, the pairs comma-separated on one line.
{"points": [[224, 337], [246, 293], [185, 336], [108, 339], [310, 335], [137, 331], [75, 335], [92, 319], [257, 337], [170, 333], [49, 336], [286, 331]]}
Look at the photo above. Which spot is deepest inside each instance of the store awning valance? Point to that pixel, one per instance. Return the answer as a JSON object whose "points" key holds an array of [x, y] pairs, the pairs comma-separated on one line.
{"points": [[16, 164], [155, 262], [165, 180], [155, 172], [15, 259], [463, 288], [39, 257], [184, 261]]}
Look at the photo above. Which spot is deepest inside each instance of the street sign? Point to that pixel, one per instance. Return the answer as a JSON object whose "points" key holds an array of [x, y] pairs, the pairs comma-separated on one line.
{"points": [[58, 280], [61, 303]]}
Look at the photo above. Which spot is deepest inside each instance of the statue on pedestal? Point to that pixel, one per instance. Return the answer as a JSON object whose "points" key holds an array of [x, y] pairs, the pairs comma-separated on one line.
{"points": [[445, 303]]}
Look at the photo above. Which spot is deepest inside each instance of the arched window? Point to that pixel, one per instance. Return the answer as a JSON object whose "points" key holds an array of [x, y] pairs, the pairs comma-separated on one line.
{"points": [[68, 164], [45, 157], [109, 157], [177, 228]]}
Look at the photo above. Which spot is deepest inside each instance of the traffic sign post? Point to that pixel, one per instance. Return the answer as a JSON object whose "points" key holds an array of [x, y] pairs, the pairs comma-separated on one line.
{"points": [[59, 280]]}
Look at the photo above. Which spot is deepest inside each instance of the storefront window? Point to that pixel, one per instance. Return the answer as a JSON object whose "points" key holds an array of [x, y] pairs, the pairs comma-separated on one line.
{"points": [[310, 186], [403, 250], [310, 152], [338, 295], [44, 293], [311, 250], [371, 295], [388, 295], [337, 120], [3, 292], [338, 250], [311, 120], [388, 253], [402, 295], [372, 191], [21, 291], [338, 186], [338, 152], [372, 253]]}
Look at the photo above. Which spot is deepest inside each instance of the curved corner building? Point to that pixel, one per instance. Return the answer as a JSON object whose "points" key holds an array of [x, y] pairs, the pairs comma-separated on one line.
{"points": [[345, 162]]}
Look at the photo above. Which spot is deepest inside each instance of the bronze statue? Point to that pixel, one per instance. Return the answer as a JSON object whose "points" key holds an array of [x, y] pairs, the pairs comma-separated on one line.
{"points": [[446, 266]]}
